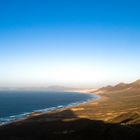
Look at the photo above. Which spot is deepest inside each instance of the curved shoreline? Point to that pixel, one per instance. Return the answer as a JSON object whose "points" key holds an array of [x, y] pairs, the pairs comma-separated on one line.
{"points": [[24, 116]]}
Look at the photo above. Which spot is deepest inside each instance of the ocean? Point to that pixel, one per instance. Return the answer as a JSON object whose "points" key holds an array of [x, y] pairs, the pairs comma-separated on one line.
{"points": [[19, 104]]}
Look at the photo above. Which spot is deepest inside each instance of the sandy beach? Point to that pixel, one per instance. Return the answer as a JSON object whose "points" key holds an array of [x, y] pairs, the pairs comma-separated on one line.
{"points": [[116, 111]]}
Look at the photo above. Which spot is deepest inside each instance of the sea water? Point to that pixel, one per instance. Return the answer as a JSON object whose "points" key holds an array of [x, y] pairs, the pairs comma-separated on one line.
{"points": [[19, 104]]}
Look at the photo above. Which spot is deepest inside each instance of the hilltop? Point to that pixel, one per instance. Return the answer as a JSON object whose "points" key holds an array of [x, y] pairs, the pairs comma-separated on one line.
{"points": [[120, 87], [115, 116]]}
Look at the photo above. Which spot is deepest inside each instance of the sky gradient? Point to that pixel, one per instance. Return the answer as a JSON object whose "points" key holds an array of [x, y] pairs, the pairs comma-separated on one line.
{"points": [[79, 43]]}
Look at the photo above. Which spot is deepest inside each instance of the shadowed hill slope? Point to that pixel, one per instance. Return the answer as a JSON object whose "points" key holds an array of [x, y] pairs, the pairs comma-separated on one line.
{"points": [[66, 125], [115, 116]]}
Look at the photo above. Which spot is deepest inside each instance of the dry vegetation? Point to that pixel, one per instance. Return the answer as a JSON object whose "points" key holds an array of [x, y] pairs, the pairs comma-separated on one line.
{"points": [[115, 116]]}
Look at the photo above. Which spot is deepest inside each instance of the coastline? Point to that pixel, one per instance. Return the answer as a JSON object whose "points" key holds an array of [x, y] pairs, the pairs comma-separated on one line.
{"points": [[41, 112], [115, 112]]}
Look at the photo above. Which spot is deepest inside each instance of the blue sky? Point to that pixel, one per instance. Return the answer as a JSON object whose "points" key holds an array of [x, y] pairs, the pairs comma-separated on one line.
{"points": [[81, 43]]}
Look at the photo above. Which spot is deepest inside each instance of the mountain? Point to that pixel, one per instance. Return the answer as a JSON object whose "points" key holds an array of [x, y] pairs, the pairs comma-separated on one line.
{"points": [[60, 88], [137, 82], [50, 88], [121, 87]]}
